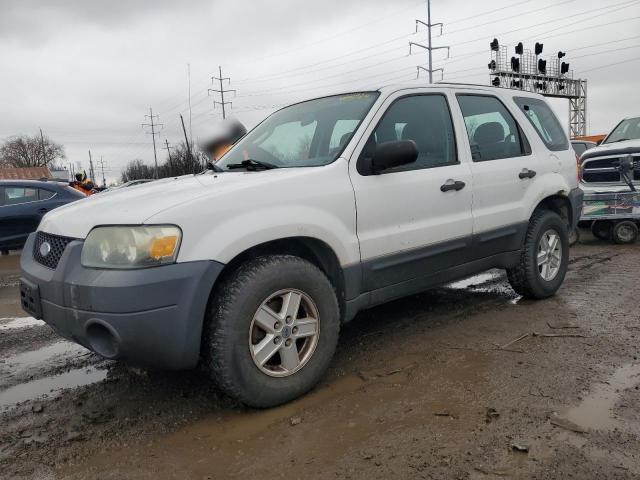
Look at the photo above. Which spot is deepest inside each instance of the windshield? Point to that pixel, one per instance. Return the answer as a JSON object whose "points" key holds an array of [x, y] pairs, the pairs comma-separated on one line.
{"points": [[628, 129], [306, 134]]}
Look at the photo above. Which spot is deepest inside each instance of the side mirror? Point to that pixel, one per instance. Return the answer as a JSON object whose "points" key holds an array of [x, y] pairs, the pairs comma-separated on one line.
{"points": [[392, 154]]}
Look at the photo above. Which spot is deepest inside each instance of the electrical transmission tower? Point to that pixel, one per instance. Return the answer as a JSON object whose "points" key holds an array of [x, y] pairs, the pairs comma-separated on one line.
{"points": [[429, 47], [222, 91], [153, 124]]}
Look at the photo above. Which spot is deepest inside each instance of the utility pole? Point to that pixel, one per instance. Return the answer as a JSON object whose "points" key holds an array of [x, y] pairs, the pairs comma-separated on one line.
{"points": [[186, 139], [153, 124], [44, 157], [222, 91], [91, 172], [104, 181], [429, 47], [166, 142], [189, 79]]}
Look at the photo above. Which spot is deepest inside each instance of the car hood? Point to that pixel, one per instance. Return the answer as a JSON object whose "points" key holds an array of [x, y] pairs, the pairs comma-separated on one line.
{"points": [[618, 148], [134, 205]]}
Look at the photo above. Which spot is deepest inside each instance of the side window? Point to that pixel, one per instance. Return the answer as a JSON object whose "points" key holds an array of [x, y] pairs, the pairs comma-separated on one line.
{"points": [[15, 195], [426, 120], [492, 130], [2, 201], [544, 121], [44, 194]]}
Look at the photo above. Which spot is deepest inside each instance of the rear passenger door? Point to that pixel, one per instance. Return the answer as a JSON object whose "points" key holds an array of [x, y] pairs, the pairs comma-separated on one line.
{"points": [[503, 170]]}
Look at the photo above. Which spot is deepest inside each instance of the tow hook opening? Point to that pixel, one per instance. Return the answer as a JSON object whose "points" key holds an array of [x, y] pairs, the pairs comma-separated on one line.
{"points": [[103, 340]]}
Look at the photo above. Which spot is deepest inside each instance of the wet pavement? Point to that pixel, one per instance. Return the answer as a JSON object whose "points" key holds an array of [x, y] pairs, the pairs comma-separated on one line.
{"points": [[468, 381]]}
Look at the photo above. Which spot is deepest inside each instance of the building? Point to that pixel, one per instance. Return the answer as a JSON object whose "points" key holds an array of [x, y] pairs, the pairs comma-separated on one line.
{"points": [[30, 173]]}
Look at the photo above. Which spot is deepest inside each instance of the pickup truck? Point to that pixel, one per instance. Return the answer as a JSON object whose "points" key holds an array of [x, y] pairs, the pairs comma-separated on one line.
{"points": [[326, 208]]}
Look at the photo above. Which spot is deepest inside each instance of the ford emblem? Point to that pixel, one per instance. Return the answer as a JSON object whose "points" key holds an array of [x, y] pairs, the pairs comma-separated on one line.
{"points": [[45, 249]]}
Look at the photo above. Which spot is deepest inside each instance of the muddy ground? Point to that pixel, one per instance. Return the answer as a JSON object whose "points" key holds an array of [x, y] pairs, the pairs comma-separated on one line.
{"points": [[462, 382]]}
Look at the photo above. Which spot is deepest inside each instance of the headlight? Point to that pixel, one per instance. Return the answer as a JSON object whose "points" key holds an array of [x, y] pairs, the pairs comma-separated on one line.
{"points": [[131, 247]]}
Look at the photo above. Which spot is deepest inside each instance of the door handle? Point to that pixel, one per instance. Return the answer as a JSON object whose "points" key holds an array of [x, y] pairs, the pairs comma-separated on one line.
{"points": [[526, 173], [452, 185]]}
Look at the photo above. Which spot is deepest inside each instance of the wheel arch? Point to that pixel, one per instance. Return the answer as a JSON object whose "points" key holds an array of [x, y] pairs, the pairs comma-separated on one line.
{"points": [[559, 204], [311, 249]]}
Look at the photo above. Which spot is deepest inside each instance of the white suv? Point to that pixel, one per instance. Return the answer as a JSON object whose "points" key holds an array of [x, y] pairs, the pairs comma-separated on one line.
{"points": [[326, 208]]}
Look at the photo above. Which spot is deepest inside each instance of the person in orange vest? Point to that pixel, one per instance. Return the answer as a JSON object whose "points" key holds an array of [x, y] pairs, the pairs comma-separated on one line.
{"points": [[83, 184]]}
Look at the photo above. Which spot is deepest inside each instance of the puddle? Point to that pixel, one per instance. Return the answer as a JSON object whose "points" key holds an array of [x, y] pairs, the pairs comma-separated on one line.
{"points": [[51, 386], [596, 410], [475, 280], [34, 357], [16, 323]]}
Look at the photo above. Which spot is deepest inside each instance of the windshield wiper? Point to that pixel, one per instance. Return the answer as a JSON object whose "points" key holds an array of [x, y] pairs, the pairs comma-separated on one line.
{"points": [[252, 165]]}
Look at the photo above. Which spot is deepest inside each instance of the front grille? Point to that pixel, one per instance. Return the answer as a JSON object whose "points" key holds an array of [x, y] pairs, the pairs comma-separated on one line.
{"points": [[57, 244], [604, 170]]}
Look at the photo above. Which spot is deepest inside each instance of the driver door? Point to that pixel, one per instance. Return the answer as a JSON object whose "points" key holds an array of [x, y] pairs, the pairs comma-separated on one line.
{"points": [[409, 223]]}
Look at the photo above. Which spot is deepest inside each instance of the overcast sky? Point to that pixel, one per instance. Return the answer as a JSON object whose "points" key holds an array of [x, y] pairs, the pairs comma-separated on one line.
{"points": [[86, 72]]}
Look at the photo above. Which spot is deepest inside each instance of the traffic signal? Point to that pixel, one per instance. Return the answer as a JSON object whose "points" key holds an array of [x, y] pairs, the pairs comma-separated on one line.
{"points": [[561, 54], [515, 64], [564, 68], [495, 46], [495, 82], [519, 49], [541, 85], [516, 83], [492, 65], [542, 66], [539, 47]]}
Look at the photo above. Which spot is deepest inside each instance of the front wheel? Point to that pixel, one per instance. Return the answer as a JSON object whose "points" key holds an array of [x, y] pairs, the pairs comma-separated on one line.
{"points": [[544, 258], [272, 330], [625, 231]]}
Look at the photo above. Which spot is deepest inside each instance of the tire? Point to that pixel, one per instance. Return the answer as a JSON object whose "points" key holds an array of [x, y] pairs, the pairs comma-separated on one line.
{"points": [[601, 229], [526, 278], [229, 348], [625, 231]]}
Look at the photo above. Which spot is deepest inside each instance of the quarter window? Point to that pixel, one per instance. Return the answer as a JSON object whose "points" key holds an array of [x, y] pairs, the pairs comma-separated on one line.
{"points": [[544, 121], [426, 120], [44, 194], [493, 132]]}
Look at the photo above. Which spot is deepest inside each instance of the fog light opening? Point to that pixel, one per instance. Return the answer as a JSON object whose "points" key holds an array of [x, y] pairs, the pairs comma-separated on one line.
{"points": [[103, 340]]}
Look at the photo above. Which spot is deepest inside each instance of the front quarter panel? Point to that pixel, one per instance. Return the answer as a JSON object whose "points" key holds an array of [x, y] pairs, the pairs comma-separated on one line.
{"points": [[316, 202]]}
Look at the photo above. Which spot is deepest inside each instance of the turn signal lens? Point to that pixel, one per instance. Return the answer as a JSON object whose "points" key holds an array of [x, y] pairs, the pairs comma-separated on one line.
{"points": [[163, 247]]}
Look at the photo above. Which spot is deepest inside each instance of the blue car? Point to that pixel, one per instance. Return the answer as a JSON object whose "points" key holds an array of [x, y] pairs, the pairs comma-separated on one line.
{"points": [[23, 204]]}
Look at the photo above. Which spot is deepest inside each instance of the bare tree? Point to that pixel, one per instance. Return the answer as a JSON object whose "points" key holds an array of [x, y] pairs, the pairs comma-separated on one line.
{"points": [[30, 151], [180, 163]]}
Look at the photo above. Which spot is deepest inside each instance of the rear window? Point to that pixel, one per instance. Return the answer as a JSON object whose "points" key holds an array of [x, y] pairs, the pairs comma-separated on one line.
{"points": [[544, 122]]}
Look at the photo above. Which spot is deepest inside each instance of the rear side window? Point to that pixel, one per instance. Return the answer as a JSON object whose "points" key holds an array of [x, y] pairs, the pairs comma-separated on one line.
{"points": [[493, 132], [544, 121], [44, 194]]}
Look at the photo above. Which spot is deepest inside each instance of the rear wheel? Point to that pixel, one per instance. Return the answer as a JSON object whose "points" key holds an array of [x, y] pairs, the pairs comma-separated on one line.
{"points": [[601, 229], [272, 330], [624, 232], [544, 258]]}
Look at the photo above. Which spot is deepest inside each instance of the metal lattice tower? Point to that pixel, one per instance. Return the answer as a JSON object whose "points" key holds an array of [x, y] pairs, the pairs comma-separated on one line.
{"points": [[529, 72]]}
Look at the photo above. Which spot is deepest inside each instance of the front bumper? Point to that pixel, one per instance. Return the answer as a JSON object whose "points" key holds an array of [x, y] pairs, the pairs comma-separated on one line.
{"points": [[576, 198], [149, 317]]}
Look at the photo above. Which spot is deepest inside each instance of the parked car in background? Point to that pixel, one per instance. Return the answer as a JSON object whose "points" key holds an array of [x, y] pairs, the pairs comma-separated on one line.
{"points": [[610, 180], [581, 146], [24, 202]]}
